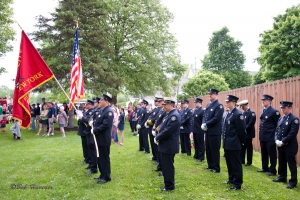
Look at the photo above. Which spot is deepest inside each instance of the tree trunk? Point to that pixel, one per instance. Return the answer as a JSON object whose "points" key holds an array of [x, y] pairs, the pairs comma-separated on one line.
{"points": [[114, 99], [71, 118]]}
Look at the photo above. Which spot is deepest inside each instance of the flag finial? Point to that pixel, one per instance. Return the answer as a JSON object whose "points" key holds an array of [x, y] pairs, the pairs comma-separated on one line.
{"points": [[76, 21]]}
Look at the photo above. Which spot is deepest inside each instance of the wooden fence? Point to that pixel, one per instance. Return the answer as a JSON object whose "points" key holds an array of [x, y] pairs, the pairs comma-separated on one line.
{"points": [[281, 90]]}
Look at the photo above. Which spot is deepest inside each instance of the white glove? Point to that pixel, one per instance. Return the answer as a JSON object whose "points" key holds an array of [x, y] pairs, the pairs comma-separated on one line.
{"points": [[181, 127], [138, 126], [92, 132], [154, 133], [204, 127], [91, 123], [276, 142], [79, 114], [279, 143], [155, 141], [146, 125]]}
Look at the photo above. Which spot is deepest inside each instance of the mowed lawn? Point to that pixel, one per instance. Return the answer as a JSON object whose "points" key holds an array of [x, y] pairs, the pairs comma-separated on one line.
{"points": [[55, 163]]}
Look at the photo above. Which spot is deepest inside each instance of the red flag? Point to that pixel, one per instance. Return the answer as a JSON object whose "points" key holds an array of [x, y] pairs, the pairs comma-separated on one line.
{"points": [[77, 83], [32, 72]]}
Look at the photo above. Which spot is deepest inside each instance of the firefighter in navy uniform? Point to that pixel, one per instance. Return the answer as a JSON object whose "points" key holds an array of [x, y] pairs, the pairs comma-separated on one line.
{"points": [[150, 122], [198, 133], [89, 138], [250, 119], [234, 131], [212, 125], [156, 128], [102, 126], [267, 126], [168, 142], [142, 121], [186, 114], [81, 127], [287, 144]]}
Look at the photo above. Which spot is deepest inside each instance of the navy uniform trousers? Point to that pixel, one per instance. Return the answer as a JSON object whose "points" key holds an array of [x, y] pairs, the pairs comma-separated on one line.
{"points": [[92, 151]]}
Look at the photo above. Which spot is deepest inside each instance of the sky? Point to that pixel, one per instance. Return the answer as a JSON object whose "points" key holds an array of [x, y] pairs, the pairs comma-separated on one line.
{"points": [[193, 25]]}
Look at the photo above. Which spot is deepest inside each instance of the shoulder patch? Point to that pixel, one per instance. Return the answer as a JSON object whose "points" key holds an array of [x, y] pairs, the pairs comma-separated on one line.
{"points": [[277, 113], [253, 114], [241, 117], [296, 121], [221, 106], [110, 113], [173, 118]]}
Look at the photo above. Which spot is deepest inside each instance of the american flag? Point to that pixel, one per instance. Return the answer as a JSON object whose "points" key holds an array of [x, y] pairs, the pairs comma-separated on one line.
{"points": [[77, 84]]}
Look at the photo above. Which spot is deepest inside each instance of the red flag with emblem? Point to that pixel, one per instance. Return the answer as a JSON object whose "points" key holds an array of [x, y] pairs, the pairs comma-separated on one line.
{"points": [[32, 72]]}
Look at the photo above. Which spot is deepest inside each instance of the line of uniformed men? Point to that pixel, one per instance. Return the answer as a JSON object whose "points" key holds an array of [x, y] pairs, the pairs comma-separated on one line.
{"points": [[95, 126]]}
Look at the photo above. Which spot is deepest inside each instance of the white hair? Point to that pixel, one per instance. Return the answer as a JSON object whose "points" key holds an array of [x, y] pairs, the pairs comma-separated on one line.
{"points": [[61, 108]]}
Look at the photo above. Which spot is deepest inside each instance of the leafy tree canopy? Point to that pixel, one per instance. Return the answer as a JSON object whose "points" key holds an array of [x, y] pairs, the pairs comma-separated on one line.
{"points": [[6, 31], [201, 83], [125, 45], [279, 47], [226, 58]]}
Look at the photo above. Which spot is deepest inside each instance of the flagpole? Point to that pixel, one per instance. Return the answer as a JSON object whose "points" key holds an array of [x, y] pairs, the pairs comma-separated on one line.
{"points": [[64, 92]]}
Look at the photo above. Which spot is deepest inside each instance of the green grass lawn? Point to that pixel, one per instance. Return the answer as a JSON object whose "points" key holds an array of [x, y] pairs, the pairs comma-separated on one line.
{"points": [[56, 163]]}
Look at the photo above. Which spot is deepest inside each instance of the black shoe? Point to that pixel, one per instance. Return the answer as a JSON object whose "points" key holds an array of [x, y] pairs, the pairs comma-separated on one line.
{"points": [[141, 150], [227, 182], [188, 154], [85, 162], [155, 163], [88, 167], [271, 174], [208, 168], [289, 186], [160, 174], [153, 158], [262, 170], [214, 171], [199, 160], [146, 152], [97, 178], [102, 181], [234, 188], [91, 172], [247, 164], [183, 151], [166, 190], [157, 170], [279, 180]]}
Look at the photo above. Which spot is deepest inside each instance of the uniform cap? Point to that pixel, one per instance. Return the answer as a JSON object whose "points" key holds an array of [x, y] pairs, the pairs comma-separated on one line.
{"points": [[90, 102], [184, 101], [144, 102], [158, 99], [231, 98], [213, 91], [241, 103], [267, 97], [106, 97], [285, 104], [198, 100], [168, 100]]}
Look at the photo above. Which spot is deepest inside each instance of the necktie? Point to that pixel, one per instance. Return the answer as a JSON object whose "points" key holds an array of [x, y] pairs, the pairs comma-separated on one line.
{"points": [[264, 110]]}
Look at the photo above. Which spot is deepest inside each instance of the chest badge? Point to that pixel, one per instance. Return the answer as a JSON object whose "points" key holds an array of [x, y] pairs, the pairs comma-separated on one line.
{"points": [[228, 122], [99, 115], [196, 115], [211, 109], [245, 117], [286, 123], [266, 117]]}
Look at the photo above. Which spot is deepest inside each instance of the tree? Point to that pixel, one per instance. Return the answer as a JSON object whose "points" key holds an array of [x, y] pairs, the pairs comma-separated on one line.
{"points": [[125, 45], [6, 31], [279, 47], [226, 58], [6, 92], [202, 82]]}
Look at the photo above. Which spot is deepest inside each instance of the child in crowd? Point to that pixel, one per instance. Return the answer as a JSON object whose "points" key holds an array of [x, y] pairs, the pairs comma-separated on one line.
{"points": [[3, 123], [16, 129]]}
